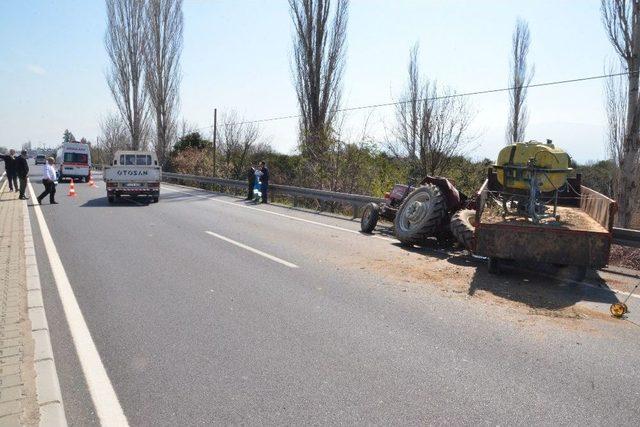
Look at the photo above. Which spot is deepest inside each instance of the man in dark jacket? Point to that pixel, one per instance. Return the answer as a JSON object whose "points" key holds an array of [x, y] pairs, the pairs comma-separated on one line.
{"points": [[10, 169], [22, 171], [265, 182], [251, 178]]}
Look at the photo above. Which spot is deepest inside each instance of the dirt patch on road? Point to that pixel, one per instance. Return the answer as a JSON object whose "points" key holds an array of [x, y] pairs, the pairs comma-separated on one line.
{"points": [[458, 275], [420, 266]]}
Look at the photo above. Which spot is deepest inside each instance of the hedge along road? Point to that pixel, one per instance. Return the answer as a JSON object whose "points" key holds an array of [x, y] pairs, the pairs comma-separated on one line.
{"points": [[194, 328]]}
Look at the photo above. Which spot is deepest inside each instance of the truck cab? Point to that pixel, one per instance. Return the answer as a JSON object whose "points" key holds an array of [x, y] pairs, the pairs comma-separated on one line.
{"points": [[133, 173]]}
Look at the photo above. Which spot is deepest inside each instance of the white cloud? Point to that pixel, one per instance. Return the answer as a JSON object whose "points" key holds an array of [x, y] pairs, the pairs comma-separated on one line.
{"points": [[36, 69]]}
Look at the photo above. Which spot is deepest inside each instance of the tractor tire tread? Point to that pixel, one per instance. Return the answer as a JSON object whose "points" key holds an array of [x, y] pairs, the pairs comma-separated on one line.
{"points": [[430, 227], [462, 228], [368, 224]]}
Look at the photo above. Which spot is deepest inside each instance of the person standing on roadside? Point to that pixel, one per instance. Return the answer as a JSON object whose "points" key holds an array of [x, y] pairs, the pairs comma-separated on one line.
{"points": [[49, 182], [251, 178], [10, 169], [257, 186], [264, 179], [22, 170]]}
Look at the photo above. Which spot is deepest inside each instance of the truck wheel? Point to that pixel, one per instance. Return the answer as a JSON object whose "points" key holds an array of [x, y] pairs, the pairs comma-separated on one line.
{"points": [[111, 199], [420, 215], [463, 226], [369, 217], [155, 199], [493, 265]]}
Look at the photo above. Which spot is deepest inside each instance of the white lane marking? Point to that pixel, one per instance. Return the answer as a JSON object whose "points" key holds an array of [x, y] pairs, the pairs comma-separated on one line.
{"points": [[103, 395], [334, 227], [255, 251], [615, 291]]}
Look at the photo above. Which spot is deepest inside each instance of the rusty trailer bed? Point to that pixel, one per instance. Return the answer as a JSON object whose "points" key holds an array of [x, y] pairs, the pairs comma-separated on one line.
{"points": [[581, 238]]}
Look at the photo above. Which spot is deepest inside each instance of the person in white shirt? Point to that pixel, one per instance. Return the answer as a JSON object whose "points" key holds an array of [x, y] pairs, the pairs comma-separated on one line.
{"points": [[49, 181]]}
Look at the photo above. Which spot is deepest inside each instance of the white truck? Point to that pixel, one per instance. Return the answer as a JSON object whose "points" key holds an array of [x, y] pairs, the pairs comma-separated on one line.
{"points": [[133, 173], [74, 161]]}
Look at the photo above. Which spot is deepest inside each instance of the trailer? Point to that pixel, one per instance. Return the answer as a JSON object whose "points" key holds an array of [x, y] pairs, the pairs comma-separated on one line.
{"points": [[580, 236]]}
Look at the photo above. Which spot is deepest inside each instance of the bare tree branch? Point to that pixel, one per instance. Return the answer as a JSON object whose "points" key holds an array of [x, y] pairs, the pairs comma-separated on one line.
{"points": [[318, 64], [114, 136], [521, 76], [621, 19], [431, 127], [163, 47], [124, 42], [237, 143]]}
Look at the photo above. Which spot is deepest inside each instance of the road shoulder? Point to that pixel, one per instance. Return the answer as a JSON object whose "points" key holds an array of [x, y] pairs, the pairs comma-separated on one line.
{"points": [[18, 399], [29, 390]]}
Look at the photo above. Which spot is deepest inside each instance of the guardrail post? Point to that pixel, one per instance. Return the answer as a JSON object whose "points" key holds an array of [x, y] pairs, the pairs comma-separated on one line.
{"points": [[355, 209]]}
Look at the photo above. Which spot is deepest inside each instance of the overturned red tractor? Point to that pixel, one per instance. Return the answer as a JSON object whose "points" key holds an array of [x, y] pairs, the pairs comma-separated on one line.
{"points": [[429, 209]]}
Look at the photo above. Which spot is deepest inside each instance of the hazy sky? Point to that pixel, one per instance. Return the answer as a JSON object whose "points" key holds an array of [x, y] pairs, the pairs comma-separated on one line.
{"points": [[237, 55]]}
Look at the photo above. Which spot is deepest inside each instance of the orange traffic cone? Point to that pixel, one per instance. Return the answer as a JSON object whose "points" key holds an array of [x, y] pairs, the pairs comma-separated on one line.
{"points": [[72, 189], [91, 183]]}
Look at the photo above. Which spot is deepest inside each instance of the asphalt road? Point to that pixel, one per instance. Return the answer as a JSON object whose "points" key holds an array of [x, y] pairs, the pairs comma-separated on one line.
{"points": [[194, 329]]}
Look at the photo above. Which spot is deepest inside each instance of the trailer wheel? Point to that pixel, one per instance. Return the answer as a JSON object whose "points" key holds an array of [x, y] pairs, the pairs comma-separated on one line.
{"points": [[578, 273], [463, 227], [370, 217], [493, 265], [420, 215], [111, 199]]}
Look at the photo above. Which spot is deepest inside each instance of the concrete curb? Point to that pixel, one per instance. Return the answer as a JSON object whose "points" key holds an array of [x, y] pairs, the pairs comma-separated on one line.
{"points": [[47, 384]]}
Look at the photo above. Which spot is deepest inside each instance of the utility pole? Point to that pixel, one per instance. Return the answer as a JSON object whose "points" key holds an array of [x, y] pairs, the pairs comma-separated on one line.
{"points": [[215, 136]]}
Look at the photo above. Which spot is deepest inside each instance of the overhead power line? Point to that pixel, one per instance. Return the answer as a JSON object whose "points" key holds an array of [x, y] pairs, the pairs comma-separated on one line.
{"points": [[452, 95]]}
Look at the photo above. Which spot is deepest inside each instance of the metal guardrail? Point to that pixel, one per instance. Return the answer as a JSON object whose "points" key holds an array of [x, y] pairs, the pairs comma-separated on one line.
{"points": [[621, 236], [356, 201], [626, 237]]}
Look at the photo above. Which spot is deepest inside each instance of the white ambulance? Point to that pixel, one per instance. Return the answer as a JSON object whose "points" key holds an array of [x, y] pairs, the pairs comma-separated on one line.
{"points": [[73, 160]]}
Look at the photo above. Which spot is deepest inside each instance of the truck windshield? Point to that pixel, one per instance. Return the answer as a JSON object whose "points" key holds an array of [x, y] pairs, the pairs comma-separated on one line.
{"points": [[135, 159], [76, 158]]}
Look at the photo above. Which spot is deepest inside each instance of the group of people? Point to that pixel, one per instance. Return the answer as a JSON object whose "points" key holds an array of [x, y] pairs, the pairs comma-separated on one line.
{"points": [[17, 170], [258, 177]]}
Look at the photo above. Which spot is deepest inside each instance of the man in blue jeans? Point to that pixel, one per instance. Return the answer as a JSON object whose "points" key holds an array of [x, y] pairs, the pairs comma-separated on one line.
{"points": [[265, 181], [10, 169]]}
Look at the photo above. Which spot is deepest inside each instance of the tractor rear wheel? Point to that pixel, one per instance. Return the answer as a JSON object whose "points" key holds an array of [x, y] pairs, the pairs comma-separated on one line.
{"points": [[463, 227], [370, 217], [420, 215]]}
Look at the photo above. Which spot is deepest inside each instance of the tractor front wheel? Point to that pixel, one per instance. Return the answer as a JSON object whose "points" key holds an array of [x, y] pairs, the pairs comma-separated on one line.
{"points": [[370, 217]]}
